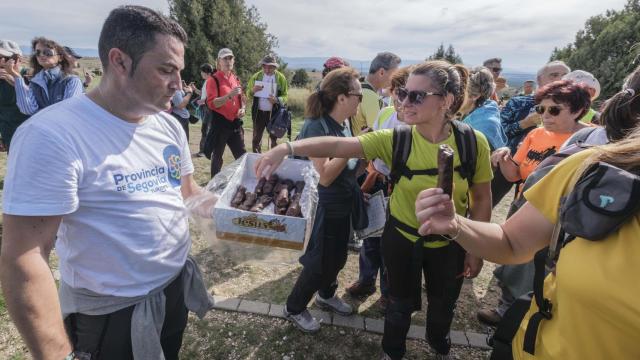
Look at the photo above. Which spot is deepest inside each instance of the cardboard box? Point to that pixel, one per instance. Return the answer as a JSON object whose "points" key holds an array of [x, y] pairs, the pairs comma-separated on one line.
{"points": [[267, 228]]}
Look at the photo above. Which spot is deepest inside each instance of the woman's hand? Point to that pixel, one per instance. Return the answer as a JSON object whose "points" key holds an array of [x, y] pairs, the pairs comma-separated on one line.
{"points": [[472, 266], [269, 161], [436, 213], [12, 67], [240, 114], [236, 90], [500, 155]]}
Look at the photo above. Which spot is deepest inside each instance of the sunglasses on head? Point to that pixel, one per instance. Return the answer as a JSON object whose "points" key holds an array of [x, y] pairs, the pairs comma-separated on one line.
{"points": [[496, 69], [45, 53], [416, 97], [12, 57], [359, 95], [553, 110]]}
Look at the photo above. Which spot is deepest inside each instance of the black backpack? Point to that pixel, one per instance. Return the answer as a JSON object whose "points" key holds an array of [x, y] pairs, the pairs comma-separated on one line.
{"points": [[467, 145], [280, 122], [466, 142]]}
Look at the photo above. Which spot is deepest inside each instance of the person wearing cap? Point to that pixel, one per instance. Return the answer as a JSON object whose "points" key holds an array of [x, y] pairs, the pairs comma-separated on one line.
{"points": [[593, 86], [333, 63], [53, 79], [10, 115], [225, 100], [265, 104], [72, 57]]}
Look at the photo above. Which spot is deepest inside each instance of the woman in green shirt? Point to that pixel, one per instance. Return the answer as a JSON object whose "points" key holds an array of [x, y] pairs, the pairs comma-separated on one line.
{"points": [[433, 94]]}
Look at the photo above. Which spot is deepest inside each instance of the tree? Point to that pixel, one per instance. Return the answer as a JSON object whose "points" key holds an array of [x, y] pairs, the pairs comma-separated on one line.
{"points": [[300, 78], [605, 47], [448, 55], [214, 24]]}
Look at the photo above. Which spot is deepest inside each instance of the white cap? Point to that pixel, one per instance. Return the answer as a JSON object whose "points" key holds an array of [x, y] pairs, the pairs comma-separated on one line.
{"points": [[9, 48], [585, 78], [224, 52]]}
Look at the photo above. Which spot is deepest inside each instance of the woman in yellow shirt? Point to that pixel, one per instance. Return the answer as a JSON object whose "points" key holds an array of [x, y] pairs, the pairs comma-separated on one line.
{"points": [[433, 94], [594, 290]]}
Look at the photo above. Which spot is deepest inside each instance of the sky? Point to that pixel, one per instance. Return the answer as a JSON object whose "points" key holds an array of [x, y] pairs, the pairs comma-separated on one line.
{"points": [[522, 33]]}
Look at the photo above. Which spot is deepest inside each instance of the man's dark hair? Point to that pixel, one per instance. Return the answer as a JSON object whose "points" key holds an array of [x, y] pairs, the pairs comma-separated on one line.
{"points": [[384, 60], [133, 30], [488, 62], [206, 68]]}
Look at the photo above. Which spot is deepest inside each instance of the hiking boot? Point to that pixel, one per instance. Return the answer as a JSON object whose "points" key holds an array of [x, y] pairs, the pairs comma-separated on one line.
{"points": [[334, 304], [303, 321], [489, 317], [200, 154], [358, 289]]}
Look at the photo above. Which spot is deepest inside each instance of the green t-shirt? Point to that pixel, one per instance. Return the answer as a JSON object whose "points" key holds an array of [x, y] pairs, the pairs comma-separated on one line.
{"points": [[424, 155]]}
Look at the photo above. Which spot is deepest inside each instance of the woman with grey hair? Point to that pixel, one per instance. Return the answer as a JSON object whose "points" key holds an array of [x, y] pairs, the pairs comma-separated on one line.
{"points": [[480, 111]]}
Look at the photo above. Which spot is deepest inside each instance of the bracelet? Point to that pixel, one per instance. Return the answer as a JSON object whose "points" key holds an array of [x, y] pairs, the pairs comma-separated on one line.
{"points": [[452, 238], [71, 356], [290, 146]]}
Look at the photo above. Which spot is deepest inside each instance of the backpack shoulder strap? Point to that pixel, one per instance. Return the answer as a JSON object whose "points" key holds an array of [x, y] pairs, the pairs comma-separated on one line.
{"points": [[467, 144], [366, 85], [400, 152]]}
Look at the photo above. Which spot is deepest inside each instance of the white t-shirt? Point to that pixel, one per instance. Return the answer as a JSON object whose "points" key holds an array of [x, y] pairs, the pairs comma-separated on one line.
{"points": [[124, 227], [271, 85]]}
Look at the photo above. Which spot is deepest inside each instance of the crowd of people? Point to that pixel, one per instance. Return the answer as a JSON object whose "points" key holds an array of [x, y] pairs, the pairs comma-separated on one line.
{"points": [[119, 171]]}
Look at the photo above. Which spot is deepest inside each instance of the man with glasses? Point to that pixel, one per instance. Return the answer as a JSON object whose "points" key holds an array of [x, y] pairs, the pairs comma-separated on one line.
{"points": [[104, 177], [382, 68], [495, 66], [10, 115]]}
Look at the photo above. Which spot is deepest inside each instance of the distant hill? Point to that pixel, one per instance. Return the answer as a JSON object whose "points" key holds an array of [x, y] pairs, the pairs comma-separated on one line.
{"points": [[26, 50], [515, 78]]}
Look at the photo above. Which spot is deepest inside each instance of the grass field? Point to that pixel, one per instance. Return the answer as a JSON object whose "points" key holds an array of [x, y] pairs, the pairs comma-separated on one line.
{"points": [[224, 335]]}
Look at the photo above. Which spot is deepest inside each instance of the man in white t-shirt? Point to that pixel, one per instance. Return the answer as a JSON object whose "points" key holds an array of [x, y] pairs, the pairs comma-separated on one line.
{"points": [[107, 173], [269, 89]]}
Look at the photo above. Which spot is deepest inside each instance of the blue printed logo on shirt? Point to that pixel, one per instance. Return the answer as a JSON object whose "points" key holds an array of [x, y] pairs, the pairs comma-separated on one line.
{"points": [[171, 156]]}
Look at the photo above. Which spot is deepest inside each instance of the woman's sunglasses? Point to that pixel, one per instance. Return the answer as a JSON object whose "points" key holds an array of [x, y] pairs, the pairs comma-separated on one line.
{"points": [[416, 97], [45, 53], [359, 95], [553, 110]]}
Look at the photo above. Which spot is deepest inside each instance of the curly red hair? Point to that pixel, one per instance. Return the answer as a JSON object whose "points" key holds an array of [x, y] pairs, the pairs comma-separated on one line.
{"points": [[576, 96]]}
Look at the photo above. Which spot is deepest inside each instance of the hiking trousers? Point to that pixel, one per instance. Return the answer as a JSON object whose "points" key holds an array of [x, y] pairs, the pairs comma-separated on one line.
{"points": [[334, 257], [442, 268], [260, 122], [109, 336], [222, 133]]}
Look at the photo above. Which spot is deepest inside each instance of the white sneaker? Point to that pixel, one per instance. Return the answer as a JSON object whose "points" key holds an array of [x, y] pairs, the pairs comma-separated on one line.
{"points": [[334, 304], [304, 321]]}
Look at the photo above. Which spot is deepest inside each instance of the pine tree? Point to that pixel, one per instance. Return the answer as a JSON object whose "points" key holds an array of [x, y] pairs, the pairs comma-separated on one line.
{"points": [[448, 55], [214, 24], [605, 47]]}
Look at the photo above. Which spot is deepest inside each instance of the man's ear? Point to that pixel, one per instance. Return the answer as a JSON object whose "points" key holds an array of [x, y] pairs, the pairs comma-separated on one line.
{"points": [[120, 62]]}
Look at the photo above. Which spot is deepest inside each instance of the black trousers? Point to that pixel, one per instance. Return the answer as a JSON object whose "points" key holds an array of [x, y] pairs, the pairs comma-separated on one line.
{"points": [[223, 133], [109, 336], [184, 123], [499, 187], [442, 268], [259, 124], [334, 257]]}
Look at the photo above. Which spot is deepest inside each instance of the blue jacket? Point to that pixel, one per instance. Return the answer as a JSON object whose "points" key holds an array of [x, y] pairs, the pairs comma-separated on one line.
{"points": [[46, 88], [513, 112], [486, 119]]}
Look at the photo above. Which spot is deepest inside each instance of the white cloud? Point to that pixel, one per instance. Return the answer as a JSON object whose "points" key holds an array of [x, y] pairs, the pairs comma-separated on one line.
{"points": [[522, 33]]}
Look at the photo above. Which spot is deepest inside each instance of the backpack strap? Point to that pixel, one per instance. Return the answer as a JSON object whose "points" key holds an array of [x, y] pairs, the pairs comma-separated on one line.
{"points": [[467, 144], [544, 304], [400, 152], [366, 85]]}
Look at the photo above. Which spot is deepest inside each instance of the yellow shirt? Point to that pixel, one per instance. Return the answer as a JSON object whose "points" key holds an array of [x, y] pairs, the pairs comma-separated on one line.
{"points": [[367, 111], [596, 289], [424, 155]]}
